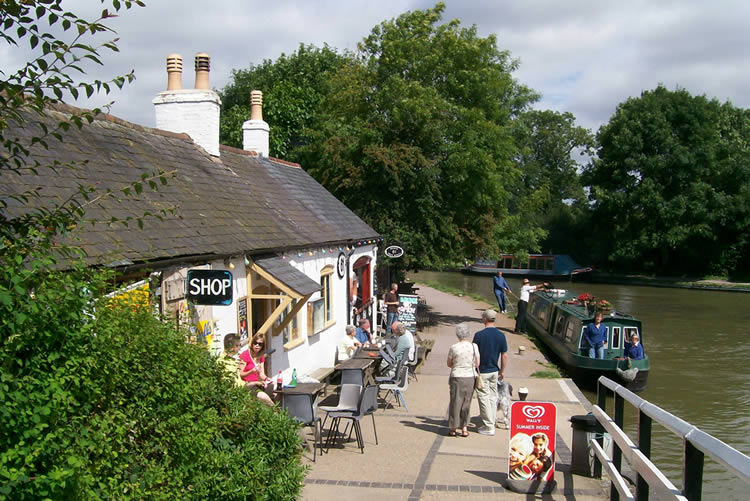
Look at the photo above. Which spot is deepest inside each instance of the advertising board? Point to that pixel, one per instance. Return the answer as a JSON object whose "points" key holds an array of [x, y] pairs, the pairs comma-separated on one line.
{"points": [[531, 454]]}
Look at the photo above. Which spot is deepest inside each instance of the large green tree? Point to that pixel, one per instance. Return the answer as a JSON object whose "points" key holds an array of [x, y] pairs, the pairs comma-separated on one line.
{"points": [[549, 190], [414, 134], [292, 87], [671, 185]]}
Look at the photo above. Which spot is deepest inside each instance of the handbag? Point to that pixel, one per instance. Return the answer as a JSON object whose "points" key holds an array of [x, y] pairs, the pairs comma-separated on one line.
{"points": [[478, 383]]}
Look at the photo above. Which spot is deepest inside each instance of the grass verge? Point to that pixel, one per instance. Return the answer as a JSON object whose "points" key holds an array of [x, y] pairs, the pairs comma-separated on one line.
{"points": [[549, 374]]}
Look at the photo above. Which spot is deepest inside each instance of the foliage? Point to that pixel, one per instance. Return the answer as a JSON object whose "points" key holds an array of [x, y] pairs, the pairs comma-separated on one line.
{"points": [[98, 398], [414, 136], [671, 185], [292, 88], [550, 374], [549, 192]]}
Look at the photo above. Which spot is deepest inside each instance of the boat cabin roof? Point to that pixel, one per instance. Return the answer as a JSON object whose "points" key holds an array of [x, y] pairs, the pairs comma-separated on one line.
{"points": [[567, 301]]}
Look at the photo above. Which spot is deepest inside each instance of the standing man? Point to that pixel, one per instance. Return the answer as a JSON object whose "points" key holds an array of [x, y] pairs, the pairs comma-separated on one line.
{"points": [[363, 334], [500, 286], [492, 347], [391, 301], [523, 302]]}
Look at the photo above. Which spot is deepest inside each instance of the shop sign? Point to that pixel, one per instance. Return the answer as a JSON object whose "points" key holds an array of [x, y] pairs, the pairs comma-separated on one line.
{"points": [[531, 453], [407, 310], [209, 287]]}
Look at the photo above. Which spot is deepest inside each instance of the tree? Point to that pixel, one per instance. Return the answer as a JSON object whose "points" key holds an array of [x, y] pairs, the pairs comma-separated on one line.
{"points": [[549, 190], [414, 136], [671, 182], [95, 399], [292, 88]]}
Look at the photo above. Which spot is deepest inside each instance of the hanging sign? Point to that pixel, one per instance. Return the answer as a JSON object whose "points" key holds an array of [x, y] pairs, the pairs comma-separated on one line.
{"points": [[209, 287], [532, 441], [394, 251]]}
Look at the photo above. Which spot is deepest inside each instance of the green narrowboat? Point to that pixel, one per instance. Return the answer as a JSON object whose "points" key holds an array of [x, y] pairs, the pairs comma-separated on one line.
{"points": [[558, 319]]}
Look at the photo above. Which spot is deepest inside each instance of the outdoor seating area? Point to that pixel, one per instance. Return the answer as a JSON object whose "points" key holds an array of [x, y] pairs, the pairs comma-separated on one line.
{"points": [[335, 406]]}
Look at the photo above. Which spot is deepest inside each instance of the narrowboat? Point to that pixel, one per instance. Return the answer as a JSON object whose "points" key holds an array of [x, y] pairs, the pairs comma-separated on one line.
{"points": [[558, 318], [537, 265]]}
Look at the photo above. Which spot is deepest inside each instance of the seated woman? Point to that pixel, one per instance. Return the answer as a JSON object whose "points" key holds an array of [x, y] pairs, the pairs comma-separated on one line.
{"points": [[254, 369], [634, 349], [348, 345]]}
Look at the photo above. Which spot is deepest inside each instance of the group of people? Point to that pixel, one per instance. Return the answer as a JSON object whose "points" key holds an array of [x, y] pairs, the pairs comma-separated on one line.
{"points": [[595, 337], [476, 364], [500, 287]]}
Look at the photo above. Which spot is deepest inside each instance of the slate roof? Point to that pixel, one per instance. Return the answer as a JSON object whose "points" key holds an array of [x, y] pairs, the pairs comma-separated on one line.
{"points": [[291, 276], [236, 204]]}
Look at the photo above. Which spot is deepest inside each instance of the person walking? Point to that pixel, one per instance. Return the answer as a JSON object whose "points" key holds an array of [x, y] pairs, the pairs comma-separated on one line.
{"points": [[463, 358], [500, 286], [493, 347]]}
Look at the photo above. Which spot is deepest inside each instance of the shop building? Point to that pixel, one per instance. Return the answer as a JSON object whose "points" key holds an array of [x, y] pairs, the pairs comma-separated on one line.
{"points": [[302, 265]]}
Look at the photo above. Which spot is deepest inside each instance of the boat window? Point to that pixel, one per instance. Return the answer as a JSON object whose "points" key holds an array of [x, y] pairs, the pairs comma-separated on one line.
{"points": [[570, 330], [629, 331], [559, 326], [616, 341], [550, 264]]}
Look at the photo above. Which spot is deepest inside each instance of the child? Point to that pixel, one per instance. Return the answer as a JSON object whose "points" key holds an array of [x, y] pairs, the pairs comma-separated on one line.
{"points": [[229, 361]]}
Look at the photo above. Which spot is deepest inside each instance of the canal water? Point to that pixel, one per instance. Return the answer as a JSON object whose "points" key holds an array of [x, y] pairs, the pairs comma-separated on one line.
{"points": [[699, 346]]}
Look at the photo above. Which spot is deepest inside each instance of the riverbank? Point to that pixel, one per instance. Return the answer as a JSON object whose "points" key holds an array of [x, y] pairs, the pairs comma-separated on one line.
{"points": [[416, 459], [670, 282]]}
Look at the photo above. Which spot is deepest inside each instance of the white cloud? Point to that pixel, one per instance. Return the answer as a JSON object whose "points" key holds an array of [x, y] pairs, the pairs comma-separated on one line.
{"points": [[583, 56]]}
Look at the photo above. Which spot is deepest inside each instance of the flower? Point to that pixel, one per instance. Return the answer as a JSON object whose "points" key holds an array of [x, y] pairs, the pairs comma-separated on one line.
{"points": [[586, 297], [603, 303]]}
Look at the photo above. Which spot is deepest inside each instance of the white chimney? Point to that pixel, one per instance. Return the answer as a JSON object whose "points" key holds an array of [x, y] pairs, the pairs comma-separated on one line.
{"points": [[192, 111], [255, 130]]}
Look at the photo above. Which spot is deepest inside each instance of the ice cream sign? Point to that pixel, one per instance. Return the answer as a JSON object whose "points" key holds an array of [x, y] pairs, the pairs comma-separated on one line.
{"points": [[532, 441], [209, 286]]}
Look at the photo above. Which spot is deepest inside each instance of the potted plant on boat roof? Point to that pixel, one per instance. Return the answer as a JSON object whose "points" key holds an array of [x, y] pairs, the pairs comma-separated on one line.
{"points": [[603, 306]]}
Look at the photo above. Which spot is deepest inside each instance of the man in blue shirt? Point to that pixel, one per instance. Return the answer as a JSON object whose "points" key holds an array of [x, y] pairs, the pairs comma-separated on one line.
{"points": [[492, 347], [363, 334], [634, 349], [500, 286]]}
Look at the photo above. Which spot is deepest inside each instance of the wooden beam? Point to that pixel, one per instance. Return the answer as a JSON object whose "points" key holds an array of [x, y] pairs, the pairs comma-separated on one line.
{"points": [[287, 319], [274, 315], [275, 281]]}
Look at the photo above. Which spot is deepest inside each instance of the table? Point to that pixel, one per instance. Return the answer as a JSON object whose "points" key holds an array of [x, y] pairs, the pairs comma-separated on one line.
{"points": [[365, 354], [310, 388], [357, 370]]}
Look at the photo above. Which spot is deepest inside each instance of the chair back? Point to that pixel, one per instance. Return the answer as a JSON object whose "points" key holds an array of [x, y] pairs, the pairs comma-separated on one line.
{"points": [[352, 376], [349, 396], [369, 399], [300, 407], [403, 382]]}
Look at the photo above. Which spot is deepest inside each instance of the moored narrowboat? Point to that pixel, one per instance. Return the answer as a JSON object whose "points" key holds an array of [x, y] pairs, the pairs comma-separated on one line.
{"points": [[534, 265], [558, 319]]}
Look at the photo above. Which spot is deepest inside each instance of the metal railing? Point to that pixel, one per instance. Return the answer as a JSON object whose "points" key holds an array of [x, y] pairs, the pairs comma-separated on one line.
{"points": [[696, 445]]}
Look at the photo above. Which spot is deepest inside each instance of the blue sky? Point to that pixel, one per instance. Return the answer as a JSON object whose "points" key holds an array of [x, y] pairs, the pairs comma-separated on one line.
{"points": [[582, 56]]}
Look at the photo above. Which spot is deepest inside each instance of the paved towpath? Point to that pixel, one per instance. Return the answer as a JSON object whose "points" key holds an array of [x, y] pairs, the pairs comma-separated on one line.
{"points": [[416, 459]]}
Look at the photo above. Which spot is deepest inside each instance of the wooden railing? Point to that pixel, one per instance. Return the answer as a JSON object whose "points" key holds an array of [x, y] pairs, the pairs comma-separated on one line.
{"points": [[697, 445]]}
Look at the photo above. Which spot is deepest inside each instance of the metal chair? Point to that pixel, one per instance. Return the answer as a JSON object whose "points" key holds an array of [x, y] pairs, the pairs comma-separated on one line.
{"points": [[300, 407], [391, 379], [398, 389], [365, 404]]}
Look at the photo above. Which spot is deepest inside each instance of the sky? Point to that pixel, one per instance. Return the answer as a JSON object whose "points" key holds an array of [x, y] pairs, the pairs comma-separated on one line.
{"points": [[583, 56]]}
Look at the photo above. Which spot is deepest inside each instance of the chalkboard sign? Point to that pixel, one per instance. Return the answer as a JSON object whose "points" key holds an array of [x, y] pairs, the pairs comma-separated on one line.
{"points": [[407, 310], [242, 320]]}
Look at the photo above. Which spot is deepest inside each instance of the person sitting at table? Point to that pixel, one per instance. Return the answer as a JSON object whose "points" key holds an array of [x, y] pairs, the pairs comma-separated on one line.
{"points": [[405, 346], [253, 371], [363, 334], [348, 345]]}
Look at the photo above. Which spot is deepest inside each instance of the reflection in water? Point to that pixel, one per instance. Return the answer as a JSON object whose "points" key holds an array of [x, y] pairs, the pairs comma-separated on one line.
{"points": [[698, 345]]}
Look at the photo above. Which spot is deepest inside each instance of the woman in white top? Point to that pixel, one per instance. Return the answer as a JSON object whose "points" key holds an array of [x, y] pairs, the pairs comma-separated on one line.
{"points": [[463, 359], [348, 344]]}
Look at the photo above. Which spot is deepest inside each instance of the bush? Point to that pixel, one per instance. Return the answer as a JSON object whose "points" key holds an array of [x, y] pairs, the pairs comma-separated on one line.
{"points": [[117, 405]]}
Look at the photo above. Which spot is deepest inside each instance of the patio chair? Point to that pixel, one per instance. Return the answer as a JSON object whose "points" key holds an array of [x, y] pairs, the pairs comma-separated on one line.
{"points": [[391, 379], [412, 364], [365, 404], [353, 376], [397, 389], [348, 400], [300, 407]]}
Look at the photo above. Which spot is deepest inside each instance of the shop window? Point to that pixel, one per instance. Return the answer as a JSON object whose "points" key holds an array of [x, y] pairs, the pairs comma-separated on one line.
{"points": [[291, 334], [326, 281]]}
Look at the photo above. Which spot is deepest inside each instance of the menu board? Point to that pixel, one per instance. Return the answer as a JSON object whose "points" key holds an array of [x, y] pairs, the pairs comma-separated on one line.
{"points": [[407, 310], [242, 320]]}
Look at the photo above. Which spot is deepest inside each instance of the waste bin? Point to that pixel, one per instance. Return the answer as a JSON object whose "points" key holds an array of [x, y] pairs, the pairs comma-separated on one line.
{"points": [[584, 428]]}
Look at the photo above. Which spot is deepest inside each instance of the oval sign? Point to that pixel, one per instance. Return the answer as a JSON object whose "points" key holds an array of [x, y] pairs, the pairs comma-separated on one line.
{"points": [[394, 251]]}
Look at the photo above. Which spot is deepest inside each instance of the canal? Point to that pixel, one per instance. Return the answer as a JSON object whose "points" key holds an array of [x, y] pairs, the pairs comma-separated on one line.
{"points": [[698, 343]]}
